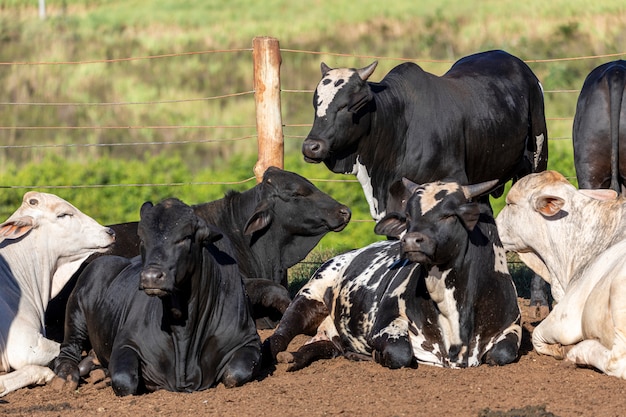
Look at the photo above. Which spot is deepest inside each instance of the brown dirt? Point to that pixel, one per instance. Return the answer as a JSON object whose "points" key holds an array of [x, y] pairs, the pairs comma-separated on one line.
{"points": [[533, 386]]}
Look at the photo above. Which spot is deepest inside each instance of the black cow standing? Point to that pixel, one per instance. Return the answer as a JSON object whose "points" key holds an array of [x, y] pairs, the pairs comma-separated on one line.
{"points": [[442, 295], [175, 318], [272, 226], [482, 120], [599, 132]]}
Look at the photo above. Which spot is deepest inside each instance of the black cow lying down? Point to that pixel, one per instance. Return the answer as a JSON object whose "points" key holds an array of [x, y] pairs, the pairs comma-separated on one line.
{"points": [[441, 295], [272, 227], [175, 318]]}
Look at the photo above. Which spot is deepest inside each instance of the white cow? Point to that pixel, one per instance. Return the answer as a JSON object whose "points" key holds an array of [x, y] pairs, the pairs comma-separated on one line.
{"points": [[576, 240], [41, 245]]}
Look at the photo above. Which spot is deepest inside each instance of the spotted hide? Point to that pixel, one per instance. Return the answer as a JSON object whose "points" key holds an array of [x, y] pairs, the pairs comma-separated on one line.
{"points": [[481, 120], [175, 318], [441, 295]]}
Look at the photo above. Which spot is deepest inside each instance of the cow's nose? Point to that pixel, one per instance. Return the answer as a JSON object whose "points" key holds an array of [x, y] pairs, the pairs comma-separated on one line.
{"points": [[412, 241], [152, 278], [345, 213], [313, 149]]}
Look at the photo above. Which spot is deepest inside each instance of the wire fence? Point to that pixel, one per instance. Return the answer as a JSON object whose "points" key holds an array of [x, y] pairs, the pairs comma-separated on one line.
{"points": [[296, 129]]}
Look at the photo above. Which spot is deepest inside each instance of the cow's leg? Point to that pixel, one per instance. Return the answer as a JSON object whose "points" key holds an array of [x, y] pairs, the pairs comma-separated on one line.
{"points": [[303, 316], [242, 367], [610, 360], [505, 350], [390, 343], [30, 359], [395, 353], [66, 365], [23, 377], [550, 335], [124, 369], [309, 353], [539, 290], [269, 301]]}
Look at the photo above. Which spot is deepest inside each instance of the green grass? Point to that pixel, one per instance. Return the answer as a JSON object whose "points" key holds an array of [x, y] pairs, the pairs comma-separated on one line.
{"points": [[434, 34]]}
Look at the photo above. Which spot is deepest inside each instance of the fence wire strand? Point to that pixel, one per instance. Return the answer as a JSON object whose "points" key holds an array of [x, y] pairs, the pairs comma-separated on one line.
{"points": [[218, 97]]}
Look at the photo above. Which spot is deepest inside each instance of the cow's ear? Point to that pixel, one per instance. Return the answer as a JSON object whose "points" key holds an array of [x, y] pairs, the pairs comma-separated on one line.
{"points": [[392, 225], [16, 228], [360, 100], [208, 233], [260, 219], [145, 206], [469, 214], [549, 205]]}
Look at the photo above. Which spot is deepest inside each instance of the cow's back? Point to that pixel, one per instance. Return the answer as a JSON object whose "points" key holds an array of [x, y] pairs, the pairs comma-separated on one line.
{"points": [[599, 128], [487, 104]]}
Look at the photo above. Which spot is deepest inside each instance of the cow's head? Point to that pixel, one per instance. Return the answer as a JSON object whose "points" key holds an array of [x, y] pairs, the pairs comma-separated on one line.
{"points": [[293, 204], [544, 211], [64, 233], [340, 101], [438, 217], [171, 237]]}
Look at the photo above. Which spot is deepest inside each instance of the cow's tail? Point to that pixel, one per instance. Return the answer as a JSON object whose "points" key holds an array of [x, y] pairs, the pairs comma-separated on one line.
{"points": [[537, 145], [616, 79]]}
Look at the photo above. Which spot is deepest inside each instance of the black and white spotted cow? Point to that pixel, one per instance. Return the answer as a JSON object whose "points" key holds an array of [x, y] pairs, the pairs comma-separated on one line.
{"points": [[482, 120], [442, 295]]}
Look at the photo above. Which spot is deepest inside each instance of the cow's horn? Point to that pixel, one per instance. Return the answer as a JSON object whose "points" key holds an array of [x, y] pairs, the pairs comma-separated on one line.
{"points": [[410, 185], [365, 72], [475, 190], [325, 68]]}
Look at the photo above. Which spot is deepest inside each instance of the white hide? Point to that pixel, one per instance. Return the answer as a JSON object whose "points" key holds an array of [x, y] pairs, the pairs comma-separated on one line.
{"points": [[44, 236], [330, 84], [578, 239]]}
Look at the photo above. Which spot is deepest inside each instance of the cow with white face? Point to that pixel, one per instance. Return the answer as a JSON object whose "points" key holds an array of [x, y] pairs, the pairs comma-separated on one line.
{"points": [[441, 295], [481, 120], [43, 243], [575, 239]]}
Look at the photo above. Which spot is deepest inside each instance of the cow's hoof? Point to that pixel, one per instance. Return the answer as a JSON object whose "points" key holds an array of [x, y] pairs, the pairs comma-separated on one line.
{"points": [[284, 357], [97, 375], [60, 384]]}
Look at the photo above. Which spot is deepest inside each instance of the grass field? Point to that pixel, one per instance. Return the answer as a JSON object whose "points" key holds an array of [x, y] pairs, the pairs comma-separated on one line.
{"points": [[91, 54]]}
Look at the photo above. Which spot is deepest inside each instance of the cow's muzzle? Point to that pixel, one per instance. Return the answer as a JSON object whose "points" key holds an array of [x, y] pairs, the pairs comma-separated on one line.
{"points": [[154, 282], [343, 216], [416, 247], [314, 150]]}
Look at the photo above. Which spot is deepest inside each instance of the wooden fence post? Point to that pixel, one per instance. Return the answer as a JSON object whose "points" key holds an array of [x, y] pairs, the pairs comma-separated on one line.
{"points": [[266, 59]]}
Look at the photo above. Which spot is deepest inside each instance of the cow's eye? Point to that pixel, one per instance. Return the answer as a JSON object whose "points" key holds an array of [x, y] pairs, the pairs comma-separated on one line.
{"points": [[64, 215]]}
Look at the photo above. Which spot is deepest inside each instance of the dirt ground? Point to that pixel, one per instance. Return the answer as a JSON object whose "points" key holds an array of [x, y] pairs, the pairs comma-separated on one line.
{"points": [[533, 386]]}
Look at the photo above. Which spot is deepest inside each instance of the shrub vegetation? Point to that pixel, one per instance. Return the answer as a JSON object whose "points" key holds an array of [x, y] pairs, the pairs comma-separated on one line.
{"points": [[101, 75]]}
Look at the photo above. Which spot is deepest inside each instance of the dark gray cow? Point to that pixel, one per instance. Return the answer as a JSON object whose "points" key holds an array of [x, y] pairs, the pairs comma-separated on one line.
{"points": [[273, 226], [176, 318], [599, 132], [442, 295]]}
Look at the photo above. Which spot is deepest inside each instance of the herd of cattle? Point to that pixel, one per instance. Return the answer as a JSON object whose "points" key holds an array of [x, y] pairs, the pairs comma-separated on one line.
{"points": [[175, 300]]}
